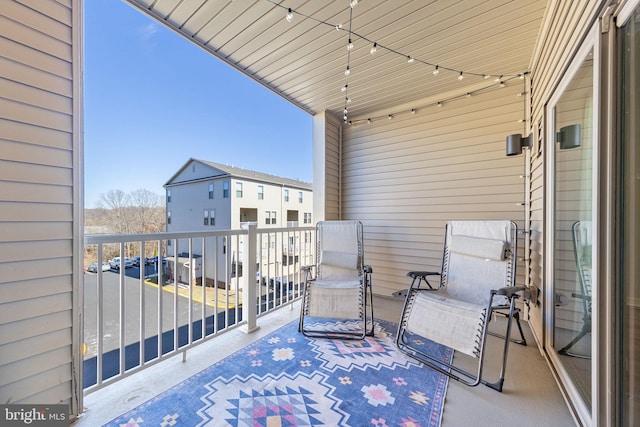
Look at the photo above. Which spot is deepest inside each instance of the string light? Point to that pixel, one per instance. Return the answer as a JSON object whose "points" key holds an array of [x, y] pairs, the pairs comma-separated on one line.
{"points": [[410, 59], [352, 4], [438, 104]]}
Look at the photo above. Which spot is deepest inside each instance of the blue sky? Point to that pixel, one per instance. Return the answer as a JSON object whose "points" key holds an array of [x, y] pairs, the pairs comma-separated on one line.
{"points": [[152, 100]]}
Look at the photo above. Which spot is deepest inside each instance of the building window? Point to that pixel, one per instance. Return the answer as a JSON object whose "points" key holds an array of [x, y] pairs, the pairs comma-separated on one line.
{"points": [[212, 217], [260, 192], [225, 189], [168, 196], [168, 217], [307, 217], [300, 196], [206, 217], [211, 191], [286, 195], [270, 217], [238, 189]]}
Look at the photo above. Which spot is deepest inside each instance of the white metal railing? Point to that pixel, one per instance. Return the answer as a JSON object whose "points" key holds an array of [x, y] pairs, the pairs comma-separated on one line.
{"points": [[187, 288]]}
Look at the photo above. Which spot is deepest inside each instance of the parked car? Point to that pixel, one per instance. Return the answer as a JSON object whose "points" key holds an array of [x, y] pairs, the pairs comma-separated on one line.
{"points": [[93, 268], [154, 260], [136, 261], [115, 263]]}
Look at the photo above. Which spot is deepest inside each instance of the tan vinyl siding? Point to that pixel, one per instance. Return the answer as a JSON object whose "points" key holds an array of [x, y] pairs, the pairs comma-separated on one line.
{"points": [[405, 177], [326, 167], [37, 199], [332, 188], [565, 24]]}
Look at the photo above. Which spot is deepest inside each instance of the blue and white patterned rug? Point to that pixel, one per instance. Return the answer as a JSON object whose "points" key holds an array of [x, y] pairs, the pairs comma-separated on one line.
{"points": [[286, 379]]}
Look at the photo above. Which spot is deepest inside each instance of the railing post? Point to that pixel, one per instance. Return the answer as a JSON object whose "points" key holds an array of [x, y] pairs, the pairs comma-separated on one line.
{"points": [[249, 253]]}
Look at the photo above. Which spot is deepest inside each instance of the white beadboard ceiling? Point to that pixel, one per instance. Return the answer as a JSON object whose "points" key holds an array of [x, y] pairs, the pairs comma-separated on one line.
{"points": [[304, 60]]}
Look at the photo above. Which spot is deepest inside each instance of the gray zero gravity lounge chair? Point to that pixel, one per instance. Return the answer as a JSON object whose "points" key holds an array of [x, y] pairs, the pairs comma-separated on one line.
{"points": [[476, 280], [334, 301]]}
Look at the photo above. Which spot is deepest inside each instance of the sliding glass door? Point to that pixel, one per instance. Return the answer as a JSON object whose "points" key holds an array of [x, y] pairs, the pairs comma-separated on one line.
{"points": [[571, 227], [629, 334]]}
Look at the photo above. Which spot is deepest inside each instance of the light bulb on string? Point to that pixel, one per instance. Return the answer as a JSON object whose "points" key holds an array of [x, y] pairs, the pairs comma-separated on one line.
{"points": [[409, 59], [349, 45], [338, 27], [501, 83], [460, 76], [374, 48], [344, 88], [353, 3], [436, 70], [439, 104], [347, 71], [486, 76]]}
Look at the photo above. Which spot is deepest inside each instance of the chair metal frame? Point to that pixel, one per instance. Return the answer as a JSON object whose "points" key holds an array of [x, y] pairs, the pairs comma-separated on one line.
{"points": [[507, 289], [584, 276], [313, 274]]}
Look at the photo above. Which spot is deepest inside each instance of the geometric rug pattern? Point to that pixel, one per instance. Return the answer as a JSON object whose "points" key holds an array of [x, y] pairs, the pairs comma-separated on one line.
{"points": [[286, 379]]}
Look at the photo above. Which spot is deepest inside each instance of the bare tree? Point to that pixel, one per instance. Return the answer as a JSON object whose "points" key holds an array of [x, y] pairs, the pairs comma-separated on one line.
{"points": [[116, 203], [146, 209]]}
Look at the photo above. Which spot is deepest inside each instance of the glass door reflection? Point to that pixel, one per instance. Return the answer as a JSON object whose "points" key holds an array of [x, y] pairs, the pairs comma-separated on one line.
{"points": [[573, 228]]}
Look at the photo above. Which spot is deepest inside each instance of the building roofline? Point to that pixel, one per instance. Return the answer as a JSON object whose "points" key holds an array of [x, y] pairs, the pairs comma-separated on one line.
{"points": [[236, 172]]}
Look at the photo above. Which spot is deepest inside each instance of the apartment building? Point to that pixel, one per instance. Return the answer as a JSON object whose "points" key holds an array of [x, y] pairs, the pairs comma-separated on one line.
{"points": [[207, 196]]}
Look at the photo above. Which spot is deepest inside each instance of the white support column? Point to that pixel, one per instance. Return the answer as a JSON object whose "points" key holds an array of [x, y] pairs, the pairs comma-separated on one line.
{"points": [[249, 302]]}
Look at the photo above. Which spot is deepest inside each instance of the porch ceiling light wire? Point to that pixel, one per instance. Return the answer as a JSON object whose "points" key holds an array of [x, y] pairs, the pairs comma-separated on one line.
{"points": [[432, 65], [439, 103], [349, 49]]}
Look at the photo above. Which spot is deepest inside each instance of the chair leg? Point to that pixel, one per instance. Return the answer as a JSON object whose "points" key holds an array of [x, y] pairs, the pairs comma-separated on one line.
{"points": [[586, 328], [516, 315], [497, 385]]}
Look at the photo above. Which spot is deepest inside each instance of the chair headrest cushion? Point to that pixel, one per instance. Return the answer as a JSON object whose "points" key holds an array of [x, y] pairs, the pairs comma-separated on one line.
{"points": [[339, 259], [489, 249]]}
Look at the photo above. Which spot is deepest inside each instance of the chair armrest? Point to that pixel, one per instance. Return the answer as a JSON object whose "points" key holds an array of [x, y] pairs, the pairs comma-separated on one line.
{"points": [[367, 269], [422, 274], [510, 291], [306, 268]]}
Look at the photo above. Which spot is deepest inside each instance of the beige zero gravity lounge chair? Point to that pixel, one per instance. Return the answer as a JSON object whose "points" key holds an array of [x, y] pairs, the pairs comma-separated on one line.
{"points": [[476, 280], [336, 289], [582, 253]]}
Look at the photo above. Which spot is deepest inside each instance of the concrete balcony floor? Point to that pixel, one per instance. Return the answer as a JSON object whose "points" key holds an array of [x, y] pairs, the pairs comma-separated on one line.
{"points": [[531, 396]]}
